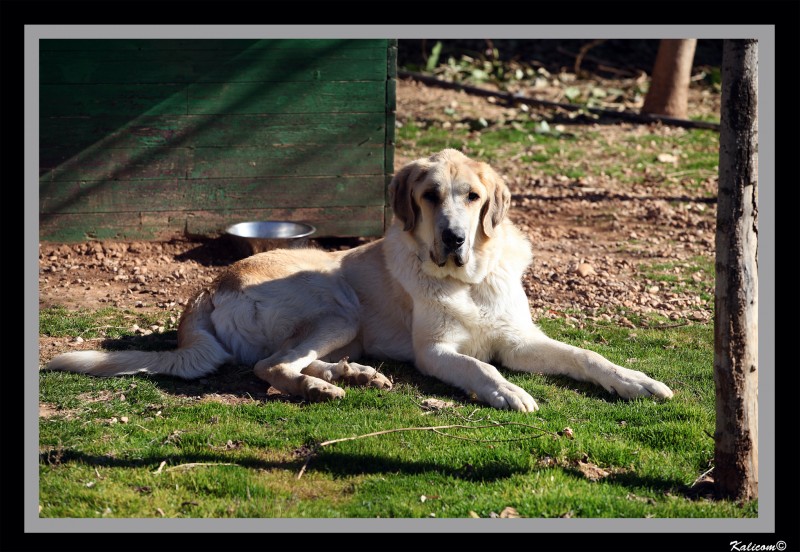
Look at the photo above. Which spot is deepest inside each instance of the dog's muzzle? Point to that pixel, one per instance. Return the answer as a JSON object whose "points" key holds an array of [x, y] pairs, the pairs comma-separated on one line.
{"points": [[451, 246]]}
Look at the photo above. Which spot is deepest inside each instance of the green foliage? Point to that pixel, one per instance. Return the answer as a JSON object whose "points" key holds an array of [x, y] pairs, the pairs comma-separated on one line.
{"points": [[433, 60]]}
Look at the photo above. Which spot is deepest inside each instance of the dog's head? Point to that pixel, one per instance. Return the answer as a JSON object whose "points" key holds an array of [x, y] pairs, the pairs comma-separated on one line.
{"points": [[450, 204]]}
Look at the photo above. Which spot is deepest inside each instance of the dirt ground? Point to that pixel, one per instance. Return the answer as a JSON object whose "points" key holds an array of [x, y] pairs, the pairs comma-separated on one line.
{"points": [[592, 238]]}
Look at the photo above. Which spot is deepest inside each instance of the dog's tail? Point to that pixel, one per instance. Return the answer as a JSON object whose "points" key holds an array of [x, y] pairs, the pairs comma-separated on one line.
{"points": [[199, 352]]}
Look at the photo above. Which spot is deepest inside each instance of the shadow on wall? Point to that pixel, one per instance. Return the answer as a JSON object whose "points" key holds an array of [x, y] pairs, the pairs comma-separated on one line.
{"points": [[192, 135]]}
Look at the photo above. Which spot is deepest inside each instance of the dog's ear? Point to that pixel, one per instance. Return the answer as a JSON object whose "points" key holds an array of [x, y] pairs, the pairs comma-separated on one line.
{"points": [[401, 194], [498, 202]]}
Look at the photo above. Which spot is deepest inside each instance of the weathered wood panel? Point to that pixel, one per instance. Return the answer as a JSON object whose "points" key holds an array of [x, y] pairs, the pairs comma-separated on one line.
{"points": [[391, 115], [313, 46], [329, 221], [195, 163], [136, 133], [114, 164], [214, 130], [295, 160], [126, 100], [287, 97], [176, 66], [109, 196], [131, 100]]}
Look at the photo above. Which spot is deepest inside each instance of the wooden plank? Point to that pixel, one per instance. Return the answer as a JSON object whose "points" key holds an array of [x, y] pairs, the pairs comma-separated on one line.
{"points": [[71, 100], [332, 221], [287, 97], [226, 66], [114, 164], [313, 46], [111, 196], [210, 98], [251, 162], [391, 107], [212, 130], [298, 160]]}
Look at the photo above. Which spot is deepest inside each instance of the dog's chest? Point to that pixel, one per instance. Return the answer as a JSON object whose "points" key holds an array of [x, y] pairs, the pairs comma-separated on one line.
{"points": [[477, 317]]}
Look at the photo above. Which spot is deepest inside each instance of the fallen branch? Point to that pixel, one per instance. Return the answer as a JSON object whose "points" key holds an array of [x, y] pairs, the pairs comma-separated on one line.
{"points": [[199, 464], [434, 429], [190, 466], [584, 49], [666, 326], [601, 63], [512, 99]]}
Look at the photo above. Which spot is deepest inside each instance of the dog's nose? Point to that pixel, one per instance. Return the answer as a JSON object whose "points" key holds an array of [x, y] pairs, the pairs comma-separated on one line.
{"points": [[453, 240]]}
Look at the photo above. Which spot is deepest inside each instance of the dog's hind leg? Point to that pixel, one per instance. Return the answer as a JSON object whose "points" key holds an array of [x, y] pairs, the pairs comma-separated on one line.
{"points": [[350, 373], [284, 373], [296, 370]]}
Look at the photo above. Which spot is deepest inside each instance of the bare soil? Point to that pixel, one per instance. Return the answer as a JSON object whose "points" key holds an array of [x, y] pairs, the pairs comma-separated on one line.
{"points": [[593, 238]]}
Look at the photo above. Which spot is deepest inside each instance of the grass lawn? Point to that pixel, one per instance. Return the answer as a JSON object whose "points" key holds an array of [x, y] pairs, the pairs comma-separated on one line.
{"points": [[139, 447]]}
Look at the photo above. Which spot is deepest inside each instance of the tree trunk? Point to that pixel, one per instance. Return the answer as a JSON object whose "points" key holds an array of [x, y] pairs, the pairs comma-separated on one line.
{"points": [[669, 86], [736, 302]]}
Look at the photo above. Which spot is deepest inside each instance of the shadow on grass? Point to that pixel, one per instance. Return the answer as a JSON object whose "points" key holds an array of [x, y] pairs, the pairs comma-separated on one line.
{"points": [[240, 381], [341, 464]]}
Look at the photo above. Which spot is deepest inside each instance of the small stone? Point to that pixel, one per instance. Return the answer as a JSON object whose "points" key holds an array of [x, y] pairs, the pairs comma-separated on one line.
{"points": [[584, 270], [77, 339], [625, 322], [509, 512], [123, 419]]}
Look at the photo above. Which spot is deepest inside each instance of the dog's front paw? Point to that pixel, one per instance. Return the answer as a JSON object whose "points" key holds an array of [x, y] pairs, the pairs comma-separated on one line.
{"points": [[630, 384], [508, 396]]}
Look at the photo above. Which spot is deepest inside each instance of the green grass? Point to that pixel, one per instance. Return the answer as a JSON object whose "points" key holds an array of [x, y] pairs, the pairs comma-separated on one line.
{"points": [[679, 276], [108, 322], [91, 466]]}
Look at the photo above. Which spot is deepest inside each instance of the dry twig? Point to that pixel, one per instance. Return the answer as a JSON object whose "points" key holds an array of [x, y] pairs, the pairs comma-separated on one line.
{"points": [[434, 429], [198, 464]]}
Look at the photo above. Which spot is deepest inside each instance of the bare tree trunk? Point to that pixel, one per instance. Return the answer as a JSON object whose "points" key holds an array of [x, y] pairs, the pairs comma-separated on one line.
{"points": [[736, 304], [669, 86]]}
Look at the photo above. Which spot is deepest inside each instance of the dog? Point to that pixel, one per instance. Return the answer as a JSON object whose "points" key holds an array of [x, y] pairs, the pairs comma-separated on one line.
{"points": [[442, 290]]}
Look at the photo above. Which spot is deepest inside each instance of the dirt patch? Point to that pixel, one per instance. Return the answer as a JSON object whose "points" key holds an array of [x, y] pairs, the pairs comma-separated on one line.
{"points": [[48, 411]]}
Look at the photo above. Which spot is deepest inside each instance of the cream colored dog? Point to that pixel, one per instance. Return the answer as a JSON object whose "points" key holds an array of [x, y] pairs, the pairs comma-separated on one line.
{"points": [[442, 290]]}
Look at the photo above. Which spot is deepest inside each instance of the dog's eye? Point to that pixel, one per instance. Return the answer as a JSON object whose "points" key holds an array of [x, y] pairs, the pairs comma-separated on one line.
{"points": [[473, 197], [431, 196]]}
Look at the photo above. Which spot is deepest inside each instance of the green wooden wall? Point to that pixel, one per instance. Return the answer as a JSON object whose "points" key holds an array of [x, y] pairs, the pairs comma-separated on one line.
{"points": [[146, 139]]}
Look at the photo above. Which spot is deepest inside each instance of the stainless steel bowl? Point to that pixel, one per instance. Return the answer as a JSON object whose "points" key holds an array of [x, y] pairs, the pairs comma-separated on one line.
{"points": [[263, 235]]}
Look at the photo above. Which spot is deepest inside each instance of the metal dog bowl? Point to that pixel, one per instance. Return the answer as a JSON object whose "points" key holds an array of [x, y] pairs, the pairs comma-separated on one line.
{"points": [[259, 236]]}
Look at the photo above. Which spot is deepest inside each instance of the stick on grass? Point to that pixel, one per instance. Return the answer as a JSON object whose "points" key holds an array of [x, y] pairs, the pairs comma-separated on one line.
{"points": [[434, 429]]}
